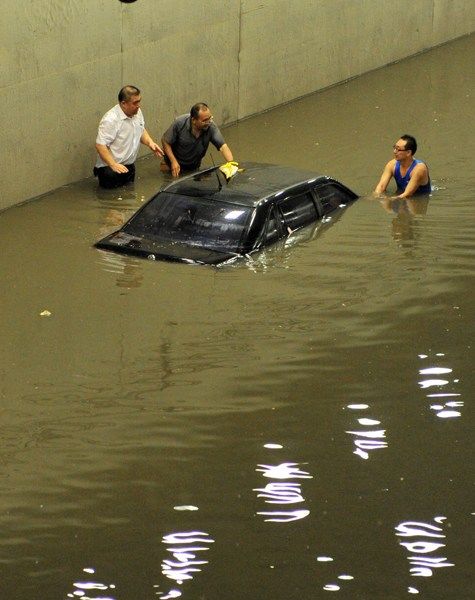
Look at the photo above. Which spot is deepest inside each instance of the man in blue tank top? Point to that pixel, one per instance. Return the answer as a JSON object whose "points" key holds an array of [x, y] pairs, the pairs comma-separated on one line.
{"points": [[411, 175]]}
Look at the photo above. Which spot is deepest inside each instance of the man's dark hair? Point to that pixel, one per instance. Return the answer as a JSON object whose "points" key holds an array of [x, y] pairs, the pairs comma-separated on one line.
{"points": [[127, 92], [411, 143], [197, 108]]}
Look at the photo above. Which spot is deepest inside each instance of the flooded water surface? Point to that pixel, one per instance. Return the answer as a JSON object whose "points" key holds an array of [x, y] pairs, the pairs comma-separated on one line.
{"points": [[295, 425]]}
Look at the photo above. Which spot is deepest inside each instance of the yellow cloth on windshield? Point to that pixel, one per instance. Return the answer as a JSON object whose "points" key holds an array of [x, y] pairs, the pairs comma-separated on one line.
{"points": [[229, 169]]}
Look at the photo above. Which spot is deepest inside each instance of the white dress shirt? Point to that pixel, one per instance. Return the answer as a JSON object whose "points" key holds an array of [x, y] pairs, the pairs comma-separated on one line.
{"points": [[121, 134]]}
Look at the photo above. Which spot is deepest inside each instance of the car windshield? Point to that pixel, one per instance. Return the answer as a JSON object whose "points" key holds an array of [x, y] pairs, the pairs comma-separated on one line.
{"points": [[193, 221]]}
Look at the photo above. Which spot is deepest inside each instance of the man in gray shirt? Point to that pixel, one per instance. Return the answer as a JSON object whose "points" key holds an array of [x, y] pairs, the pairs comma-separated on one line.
{"points": [[187, 139]]}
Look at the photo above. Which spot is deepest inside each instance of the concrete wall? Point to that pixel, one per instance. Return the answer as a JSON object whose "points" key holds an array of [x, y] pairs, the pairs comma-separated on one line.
{"points": [[63, 61]]}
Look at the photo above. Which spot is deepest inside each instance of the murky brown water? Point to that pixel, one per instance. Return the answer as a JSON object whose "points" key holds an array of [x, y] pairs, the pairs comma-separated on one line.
{"points": [[295, 426]]}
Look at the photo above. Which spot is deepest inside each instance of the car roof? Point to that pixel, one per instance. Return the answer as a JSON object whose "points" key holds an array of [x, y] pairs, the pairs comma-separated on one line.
{"points": [[251, 184]]}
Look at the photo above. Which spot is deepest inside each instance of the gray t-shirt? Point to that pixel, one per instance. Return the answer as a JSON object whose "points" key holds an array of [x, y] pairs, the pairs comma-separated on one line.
{"points": [[188, 149]]}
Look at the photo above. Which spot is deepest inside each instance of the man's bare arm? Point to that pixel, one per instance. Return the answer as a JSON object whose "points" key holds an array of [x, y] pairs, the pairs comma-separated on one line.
{"points": [[175, 167], [385, 178], [226, 152], [106, 156], [147, 140]]}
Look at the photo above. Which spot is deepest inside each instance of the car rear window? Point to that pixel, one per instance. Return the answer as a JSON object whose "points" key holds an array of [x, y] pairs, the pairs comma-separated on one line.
{"points": [[193, 221], [331, 196], [298, 211]]}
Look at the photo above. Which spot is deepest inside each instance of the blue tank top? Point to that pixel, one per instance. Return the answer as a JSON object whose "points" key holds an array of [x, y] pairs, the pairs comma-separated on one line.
{"points": [[403, 181]]}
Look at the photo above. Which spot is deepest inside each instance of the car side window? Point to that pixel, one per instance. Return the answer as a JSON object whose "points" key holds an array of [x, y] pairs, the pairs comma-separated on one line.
{"points": [[331, 196], [298, 211], [274, 229]]}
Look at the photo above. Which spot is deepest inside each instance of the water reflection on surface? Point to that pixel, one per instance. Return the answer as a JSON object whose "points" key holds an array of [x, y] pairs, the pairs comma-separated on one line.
{"points": [[186, 550], [282, 491], [367, 439], [334, 586], [128, 271], [406, 211], [92, 590], [445, 410], [426, 540]]}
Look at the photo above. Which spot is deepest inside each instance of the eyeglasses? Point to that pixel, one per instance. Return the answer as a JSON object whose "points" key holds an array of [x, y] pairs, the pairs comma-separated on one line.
{"points": [[399, 149], [207, 121]]}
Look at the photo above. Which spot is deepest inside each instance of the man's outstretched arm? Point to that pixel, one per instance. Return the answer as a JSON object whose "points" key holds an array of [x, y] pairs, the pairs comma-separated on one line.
{"points": [[385, 178]]}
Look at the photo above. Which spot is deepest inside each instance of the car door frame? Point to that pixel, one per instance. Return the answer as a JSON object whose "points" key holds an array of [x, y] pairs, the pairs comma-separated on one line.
{"points": [[267, 208]]}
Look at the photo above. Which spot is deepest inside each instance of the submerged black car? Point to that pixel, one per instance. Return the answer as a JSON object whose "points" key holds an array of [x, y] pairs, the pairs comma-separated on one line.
{"points": [[205, 218]]}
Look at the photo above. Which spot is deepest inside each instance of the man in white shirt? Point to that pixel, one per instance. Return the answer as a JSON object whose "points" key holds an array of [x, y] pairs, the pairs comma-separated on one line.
{"points": [[121, 131]]}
